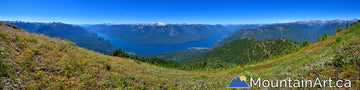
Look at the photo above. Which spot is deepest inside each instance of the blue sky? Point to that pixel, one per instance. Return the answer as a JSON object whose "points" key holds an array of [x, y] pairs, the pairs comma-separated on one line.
{"points": [[177, 11]]}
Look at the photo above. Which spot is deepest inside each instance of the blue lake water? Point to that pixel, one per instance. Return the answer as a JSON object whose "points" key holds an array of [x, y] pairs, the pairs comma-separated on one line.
{"points": [[157, 48]]}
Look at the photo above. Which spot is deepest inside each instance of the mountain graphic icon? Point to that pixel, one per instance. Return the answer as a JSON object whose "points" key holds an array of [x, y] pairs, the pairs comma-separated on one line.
{"points": [[238, 83]]}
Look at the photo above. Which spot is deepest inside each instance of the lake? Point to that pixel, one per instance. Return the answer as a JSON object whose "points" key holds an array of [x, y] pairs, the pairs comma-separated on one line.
{"points": [[157, 48]]}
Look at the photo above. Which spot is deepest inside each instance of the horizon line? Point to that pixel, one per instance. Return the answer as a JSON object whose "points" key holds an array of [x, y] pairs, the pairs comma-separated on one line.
{"points": [[282, 21]]}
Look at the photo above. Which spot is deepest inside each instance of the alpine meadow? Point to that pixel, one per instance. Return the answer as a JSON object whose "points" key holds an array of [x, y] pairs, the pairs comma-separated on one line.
{"points": [[179, 44]]}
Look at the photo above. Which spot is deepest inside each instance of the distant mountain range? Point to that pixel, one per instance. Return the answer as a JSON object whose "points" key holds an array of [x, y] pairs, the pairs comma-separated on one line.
{"points": [[33, 61], [159, 33], [154, 33], [296, 31], [237, 27], [77, 34]]}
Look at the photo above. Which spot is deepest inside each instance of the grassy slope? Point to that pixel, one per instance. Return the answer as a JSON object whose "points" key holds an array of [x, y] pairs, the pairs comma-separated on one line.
{"points": [[74, 33], [72, 67]]}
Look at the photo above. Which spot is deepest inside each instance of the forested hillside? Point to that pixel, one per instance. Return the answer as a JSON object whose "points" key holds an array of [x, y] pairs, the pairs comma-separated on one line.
{"points": [[33, 61], [246, 51], [177, 55], [77, 34], [296, 31]]}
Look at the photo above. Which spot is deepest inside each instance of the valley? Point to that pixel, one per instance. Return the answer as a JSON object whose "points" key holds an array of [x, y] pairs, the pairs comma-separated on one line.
{"points": [[68, 66], [158, 48], [179, 45], [110, 35], [159, 33]]}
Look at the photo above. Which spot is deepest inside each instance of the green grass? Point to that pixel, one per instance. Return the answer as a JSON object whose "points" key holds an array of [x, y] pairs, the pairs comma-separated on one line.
{"points": [[2, 36], [70, 67], [33, 40]]}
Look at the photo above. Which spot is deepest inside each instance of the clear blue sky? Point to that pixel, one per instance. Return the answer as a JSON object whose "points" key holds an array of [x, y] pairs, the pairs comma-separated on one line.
{"points": [[177, 11]]}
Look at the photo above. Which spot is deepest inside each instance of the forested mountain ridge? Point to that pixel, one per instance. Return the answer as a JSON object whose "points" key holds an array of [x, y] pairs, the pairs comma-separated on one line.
{"points": [[246, 51], [237, 27], [159, 33], [33, 61], [176, 55], [295, 31], [179, 55], [77, 34]]}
